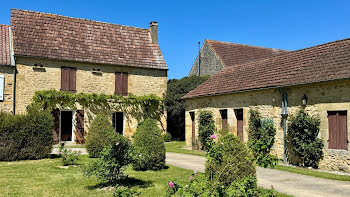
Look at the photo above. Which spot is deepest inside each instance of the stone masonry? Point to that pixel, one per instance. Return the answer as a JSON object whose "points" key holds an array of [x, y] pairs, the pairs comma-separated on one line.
{"points": [[322, 97]]}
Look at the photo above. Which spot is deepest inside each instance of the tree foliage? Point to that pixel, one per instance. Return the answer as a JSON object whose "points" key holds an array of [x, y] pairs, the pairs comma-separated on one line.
{"points": [[304, 146], [261, 139], [175, 106]]}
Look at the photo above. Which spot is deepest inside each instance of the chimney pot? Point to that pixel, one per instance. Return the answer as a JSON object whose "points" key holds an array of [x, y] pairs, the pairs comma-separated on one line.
{"points": [[153, 30]]}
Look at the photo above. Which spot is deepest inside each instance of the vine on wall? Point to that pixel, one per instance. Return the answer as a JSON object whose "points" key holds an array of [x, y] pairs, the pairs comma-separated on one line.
{"points": [[138, 107]]}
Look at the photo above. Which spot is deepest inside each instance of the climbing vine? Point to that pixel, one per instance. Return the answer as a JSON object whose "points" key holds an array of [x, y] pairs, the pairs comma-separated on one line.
{"points": [[137, 107]]}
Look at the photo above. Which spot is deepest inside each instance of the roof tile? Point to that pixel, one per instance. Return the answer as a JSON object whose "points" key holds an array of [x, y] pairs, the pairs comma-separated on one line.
{"points": [[53, 36], [330, 61]]}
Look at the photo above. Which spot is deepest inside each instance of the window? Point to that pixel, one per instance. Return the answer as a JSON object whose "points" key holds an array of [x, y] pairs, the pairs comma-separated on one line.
{"points": [[337, 128], [223, 113], [121, 83], [68, 79], [193, 127], [118, 122]]}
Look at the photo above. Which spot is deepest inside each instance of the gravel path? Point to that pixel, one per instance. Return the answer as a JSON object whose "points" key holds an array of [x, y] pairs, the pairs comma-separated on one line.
{"points": [[284, 182]]}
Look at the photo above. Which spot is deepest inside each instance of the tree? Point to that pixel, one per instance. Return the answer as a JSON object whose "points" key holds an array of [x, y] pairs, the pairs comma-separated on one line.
{"points": [[175, 106]]}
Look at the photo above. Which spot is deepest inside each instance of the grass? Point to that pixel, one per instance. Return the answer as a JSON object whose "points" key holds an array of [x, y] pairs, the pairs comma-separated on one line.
{"points": [[314, 173], [44, 178], [178, 147]]}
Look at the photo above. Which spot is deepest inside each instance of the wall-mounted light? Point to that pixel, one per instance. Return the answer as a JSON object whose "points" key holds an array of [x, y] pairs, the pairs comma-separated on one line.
{"points": [[304, 100]]}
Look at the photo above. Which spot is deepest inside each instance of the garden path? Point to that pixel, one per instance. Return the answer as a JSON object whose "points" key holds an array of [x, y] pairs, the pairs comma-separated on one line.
{"points": [[284, 182]]}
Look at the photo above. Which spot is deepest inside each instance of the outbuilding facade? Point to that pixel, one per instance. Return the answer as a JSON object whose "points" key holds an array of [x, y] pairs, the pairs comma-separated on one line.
{"points": [[316, 79]]}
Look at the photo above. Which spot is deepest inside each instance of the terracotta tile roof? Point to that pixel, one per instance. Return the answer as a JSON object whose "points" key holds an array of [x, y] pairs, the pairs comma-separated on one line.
{"points": [[53, 36], [330, 61], [232, 54], [5, 58]]}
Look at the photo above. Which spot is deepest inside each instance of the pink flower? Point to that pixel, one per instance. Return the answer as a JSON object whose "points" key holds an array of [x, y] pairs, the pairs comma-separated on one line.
{"points": [[171, 184], [222, 143], [213, 137], [191, 178], [59, 153]]}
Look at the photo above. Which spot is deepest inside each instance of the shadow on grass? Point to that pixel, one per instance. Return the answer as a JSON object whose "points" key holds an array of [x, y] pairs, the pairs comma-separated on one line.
{"points": [[126, 182]]}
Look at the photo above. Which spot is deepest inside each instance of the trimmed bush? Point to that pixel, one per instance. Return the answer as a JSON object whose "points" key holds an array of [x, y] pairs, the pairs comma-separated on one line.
{"points": [[167, 137], [26, 136], [261, 139], [149, 153], [175, 106], [304, 147], [206, 127], [100, 135], [108, 167], [229, 160]]}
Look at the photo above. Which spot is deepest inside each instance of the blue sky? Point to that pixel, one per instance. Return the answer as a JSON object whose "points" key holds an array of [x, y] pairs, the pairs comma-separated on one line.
{"points": [[290, 25]]}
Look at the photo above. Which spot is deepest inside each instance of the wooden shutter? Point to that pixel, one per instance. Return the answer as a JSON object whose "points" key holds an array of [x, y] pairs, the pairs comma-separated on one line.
{"points": [[118, 83], [65, 79], [239, 117], [193, 128], [125, 84], [56, 129], [79, 126], [337, 129], [72, 79]]}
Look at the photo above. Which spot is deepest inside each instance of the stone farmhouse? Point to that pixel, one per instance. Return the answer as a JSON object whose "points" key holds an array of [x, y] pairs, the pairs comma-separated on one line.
{"points": [[41, 51], [316, 79], [215, 56]]}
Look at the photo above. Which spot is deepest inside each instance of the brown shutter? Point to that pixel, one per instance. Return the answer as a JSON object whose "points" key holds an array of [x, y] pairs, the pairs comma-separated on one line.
{"points": [[65, 79], [118, 83], [342, 131], [332, 130], [79, 127], [56, 131], [72, 79], [193, 128], [125, 84], [239, 117]]}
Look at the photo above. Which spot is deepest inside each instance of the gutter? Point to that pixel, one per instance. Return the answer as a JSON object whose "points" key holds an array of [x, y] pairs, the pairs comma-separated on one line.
{"points": [[13, 63]]}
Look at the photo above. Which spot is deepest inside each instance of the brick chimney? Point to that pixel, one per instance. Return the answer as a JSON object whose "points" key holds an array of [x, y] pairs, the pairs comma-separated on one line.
{"points": [[153, 30]]}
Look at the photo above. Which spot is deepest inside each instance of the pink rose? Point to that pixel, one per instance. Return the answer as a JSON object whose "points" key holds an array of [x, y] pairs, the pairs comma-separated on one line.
{"points": [[59, 153], [213, 137], [222, 143], [191, 178], [171, 184]]}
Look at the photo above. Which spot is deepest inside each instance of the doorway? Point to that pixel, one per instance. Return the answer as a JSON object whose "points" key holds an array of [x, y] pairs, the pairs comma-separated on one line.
{"points": [[66, 128], [118, 122]]}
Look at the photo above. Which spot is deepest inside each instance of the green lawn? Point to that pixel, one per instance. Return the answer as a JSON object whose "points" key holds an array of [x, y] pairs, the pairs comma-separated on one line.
{"points": [[178, 147], [313, 173], [44, 178]]}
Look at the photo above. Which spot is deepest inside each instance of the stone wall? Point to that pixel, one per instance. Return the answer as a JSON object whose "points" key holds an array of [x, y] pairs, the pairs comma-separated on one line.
{"points": [[30, 78], [6, 104], [210, 64], [322, 97]]}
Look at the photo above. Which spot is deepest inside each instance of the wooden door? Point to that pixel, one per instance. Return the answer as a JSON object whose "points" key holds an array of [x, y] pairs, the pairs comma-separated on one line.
{"points": [[239, 117], [337, 128], [224, 125]]}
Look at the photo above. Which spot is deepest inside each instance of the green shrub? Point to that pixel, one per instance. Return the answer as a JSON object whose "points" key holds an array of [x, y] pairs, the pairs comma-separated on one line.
{"points": [[206, 127], [149, 153], [304, 147], [101, 134], [121, 191], [167, 137], [26, 136], [108, 167], [68, 157], [228, 160], [175, 105], [261, 139]]}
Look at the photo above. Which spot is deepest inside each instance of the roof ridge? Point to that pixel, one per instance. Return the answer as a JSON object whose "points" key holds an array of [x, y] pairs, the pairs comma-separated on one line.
{"points": [[247, 45], [82, 19]]}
